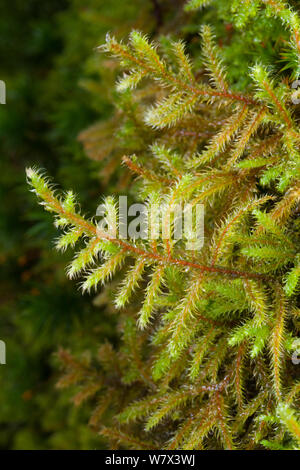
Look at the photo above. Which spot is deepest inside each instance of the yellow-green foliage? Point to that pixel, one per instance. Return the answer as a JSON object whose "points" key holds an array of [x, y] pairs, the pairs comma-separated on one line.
{"points": [[205, 359]]}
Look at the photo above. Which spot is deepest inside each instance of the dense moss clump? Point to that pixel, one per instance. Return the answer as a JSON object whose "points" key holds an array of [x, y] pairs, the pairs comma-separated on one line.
{"points": [[204, 356]]}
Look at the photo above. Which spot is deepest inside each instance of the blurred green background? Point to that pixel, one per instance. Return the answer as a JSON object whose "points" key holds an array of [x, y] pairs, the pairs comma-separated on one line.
{"points": [[57, 86]]}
